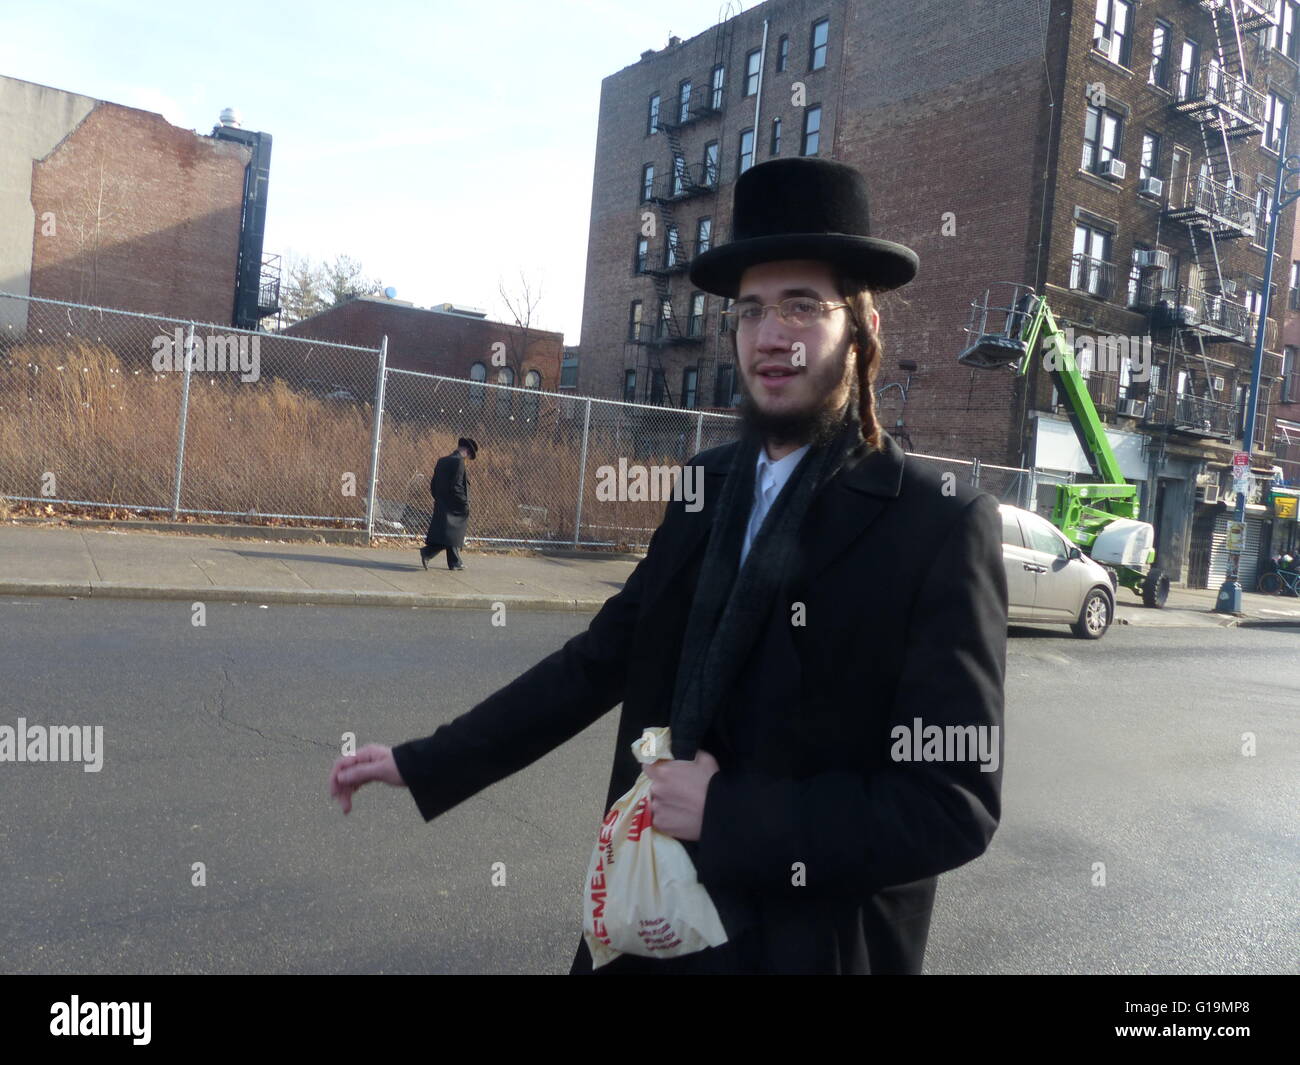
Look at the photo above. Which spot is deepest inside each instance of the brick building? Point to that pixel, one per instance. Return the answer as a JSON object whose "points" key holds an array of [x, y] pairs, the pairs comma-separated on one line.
{"points": [[445, 339], [1117, 156], [114, 206]]}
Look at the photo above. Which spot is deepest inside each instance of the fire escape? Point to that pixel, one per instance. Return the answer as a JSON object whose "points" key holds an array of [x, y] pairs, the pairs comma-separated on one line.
{"points": [[1217, 96], [699, 100]]}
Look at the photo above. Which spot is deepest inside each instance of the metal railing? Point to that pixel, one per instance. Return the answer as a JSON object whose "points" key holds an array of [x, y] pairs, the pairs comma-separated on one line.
{"points": [[1216, 207], [285, 429], [1093, 276]]}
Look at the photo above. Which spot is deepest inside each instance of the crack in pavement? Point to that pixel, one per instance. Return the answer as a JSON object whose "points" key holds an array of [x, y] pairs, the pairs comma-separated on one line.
{"points": [[223, 717]]}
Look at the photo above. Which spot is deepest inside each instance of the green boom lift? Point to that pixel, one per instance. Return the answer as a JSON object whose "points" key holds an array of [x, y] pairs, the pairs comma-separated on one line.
{"points": [[1102, 518]]}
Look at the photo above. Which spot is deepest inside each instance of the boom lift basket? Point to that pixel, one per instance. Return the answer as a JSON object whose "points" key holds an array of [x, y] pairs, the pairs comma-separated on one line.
{"points": [[996, 320]]}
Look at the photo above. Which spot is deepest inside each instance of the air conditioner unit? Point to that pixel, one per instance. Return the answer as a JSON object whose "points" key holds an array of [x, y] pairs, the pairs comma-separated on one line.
{"points": [[1103, 45], [1208, 493], [1216, 383], [1152, 186], [1134, 408], [1114, 169], [1149, 257], [1229, 286], [1248, 226]]}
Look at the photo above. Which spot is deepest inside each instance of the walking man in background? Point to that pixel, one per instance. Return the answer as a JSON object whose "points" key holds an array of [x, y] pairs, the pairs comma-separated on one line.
{"points": [[450, 489]]}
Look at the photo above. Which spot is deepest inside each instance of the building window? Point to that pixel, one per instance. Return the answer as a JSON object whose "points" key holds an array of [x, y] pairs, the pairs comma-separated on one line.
{"points": [[1101, 137], [711, 164], [1091, 270], [679, 175], [641, 259], [716, 81], [652, 121], [703, 235], [1135, 275], [665, 317], [1150, 162], [821, 30], [477, 375], [1283, 35], [532, 380], [812, 129], [746, 156], [1277, 112], [684, 101], [752, 61], [1293, 297], [672, 247], [782, 53], [634, 321], [724, 385], [1189, 60], [1160, 38], [657, 388], [1290, 376], [505, 398], [695, 327], [1113, 19], [647, 181], [1263, 206], [690, 377], [629, 386], [722, 317], [776, 136]]}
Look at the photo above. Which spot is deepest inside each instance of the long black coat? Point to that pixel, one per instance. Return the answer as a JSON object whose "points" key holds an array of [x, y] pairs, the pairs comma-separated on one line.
{"points": [[450, 490], [905, 615]]}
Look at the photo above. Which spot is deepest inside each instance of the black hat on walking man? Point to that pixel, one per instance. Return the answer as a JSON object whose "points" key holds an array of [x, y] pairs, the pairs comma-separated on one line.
{"points": [[469, 445]]}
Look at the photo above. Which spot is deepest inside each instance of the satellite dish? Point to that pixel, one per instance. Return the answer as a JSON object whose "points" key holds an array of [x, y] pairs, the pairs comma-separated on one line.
{"points": [[390, 292]]}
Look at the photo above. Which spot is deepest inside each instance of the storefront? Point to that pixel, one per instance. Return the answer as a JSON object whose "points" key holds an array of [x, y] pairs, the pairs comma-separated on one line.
{"points": [[1284, 508], [1257, 534]]}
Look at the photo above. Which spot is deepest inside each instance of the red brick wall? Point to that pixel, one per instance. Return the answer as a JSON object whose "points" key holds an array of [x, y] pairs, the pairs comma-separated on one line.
{"points": [[435, 342], [147, 217]]}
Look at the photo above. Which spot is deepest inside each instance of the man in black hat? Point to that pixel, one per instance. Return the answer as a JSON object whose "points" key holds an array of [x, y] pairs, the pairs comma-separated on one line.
{"points": [[805, 634], [450, 490]]}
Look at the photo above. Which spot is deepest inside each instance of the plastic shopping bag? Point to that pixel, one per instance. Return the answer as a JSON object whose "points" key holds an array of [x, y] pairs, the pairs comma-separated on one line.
{"points": [[642, 896]]}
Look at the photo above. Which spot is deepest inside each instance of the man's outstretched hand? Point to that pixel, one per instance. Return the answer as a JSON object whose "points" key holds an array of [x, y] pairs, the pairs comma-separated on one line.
{"points": [[372, 762]]}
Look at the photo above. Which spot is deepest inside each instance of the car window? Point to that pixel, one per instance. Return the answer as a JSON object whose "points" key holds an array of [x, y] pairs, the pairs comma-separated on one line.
{"points": [[1042, 537], [1011, 530]]}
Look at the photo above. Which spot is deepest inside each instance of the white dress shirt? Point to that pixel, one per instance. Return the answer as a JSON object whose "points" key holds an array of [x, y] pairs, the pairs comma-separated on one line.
{"points": [[769, 479]]}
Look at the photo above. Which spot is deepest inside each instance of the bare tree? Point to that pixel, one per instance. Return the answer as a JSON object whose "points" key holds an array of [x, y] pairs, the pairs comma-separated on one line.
{"points": [[521, 303], [314, 287]]}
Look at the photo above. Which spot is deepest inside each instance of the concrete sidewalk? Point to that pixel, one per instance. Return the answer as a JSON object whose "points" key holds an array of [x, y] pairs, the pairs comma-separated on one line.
{"points": [[98, 563]]}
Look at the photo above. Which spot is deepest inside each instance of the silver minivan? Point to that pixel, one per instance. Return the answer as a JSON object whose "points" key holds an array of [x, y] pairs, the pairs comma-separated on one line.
{"points": [[1050, 579]]}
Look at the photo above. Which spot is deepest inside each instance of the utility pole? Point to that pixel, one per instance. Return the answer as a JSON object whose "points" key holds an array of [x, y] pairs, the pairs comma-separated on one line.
{"points": [[1229, 601]]}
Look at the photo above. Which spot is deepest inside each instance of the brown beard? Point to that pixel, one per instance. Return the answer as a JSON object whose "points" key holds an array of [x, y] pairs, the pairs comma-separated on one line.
{"points": [[816, 427]]}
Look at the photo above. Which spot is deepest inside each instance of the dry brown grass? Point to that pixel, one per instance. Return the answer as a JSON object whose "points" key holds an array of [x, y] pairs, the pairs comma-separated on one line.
{"points": [[108, 434]]}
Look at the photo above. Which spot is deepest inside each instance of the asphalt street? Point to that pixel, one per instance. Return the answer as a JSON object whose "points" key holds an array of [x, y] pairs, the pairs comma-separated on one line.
{"points": [[1124, 753]]}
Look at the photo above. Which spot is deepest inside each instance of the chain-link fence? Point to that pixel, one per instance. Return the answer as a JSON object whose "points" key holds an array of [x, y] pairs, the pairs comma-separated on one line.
{"points": [[101, 407]]}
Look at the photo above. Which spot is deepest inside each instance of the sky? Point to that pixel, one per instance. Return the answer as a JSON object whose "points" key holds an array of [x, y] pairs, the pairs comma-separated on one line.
{"points": [[447, 145]]}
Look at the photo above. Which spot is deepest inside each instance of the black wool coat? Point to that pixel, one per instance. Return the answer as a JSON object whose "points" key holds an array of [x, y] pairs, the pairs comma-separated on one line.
{"points": [[904, 611], [450, 490]]}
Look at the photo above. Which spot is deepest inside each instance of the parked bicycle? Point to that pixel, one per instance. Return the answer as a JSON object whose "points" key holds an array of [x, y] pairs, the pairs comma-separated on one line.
{"points": [[1280, 582]]}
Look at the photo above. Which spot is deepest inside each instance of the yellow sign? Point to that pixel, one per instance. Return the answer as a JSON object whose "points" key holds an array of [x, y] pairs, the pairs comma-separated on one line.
{"points": [[1285, 506]]}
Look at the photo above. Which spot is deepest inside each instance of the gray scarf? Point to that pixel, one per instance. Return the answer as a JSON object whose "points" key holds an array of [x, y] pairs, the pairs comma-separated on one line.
{"points": [[729, 610]]}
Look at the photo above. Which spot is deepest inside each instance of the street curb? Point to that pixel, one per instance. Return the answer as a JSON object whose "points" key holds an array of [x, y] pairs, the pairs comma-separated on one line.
{"points": [[293, 596]]}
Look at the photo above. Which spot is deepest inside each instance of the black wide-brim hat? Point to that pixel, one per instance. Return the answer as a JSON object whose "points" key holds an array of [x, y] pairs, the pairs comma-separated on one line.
{"points": [[466, 442], [803, 208]]}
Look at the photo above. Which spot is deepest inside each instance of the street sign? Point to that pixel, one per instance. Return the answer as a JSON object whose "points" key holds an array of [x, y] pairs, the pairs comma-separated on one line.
{"points": [[1284, 506], [1236, 534], [1241, 472]]}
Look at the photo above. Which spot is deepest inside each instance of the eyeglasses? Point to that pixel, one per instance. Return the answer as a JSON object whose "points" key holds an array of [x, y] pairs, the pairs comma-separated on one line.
{"points": [[798, 312]]}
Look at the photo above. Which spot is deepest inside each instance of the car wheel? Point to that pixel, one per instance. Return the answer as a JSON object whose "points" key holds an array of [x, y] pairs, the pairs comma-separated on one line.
{"points": [[1114, 577], [1155, 589], [1094, 616]]}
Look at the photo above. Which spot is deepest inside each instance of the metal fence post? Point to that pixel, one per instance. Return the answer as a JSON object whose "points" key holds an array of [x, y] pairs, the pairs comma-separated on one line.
{"points": [[185, 416], [582, 471], [381, 381], [975, 473], [699, 431]]}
